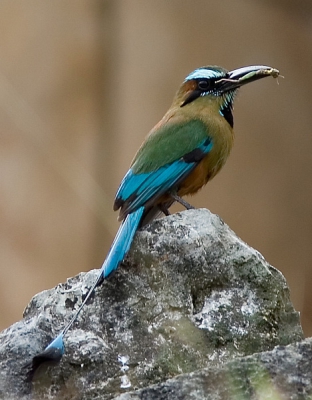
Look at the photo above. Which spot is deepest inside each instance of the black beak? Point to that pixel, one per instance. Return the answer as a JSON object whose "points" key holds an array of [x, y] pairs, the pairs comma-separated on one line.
{"points": [[241, 76]]}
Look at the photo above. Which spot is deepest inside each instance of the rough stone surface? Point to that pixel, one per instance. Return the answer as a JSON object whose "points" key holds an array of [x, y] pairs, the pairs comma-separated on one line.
{"points": [[280, 374], [190, 295]]}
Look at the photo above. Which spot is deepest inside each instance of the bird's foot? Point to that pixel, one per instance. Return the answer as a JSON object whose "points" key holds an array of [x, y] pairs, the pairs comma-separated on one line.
{"points": [[184, 203], [164, 210]]}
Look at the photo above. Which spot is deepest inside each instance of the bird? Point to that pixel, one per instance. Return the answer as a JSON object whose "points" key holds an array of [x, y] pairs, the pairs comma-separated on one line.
{"points": [[185, 150]]}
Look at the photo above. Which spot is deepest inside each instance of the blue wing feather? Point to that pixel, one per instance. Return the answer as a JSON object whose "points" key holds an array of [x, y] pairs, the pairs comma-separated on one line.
{"points": [[138, 189]]}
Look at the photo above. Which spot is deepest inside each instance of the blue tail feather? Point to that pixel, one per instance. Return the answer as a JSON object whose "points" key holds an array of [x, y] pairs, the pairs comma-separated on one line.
{"points": [[122, 242], [116, 254], [57, 343]]}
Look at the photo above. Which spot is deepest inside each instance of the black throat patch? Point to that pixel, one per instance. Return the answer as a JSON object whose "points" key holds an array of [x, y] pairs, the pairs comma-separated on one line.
{"points": [[226, 112]]}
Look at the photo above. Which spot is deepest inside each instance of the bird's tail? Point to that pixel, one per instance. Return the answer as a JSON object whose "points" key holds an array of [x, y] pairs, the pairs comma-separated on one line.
{"points": [[122, 242], [117, 252]]}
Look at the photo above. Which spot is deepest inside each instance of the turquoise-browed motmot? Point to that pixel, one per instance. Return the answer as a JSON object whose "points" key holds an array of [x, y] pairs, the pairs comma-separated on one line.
{"points": [[182, 153]]}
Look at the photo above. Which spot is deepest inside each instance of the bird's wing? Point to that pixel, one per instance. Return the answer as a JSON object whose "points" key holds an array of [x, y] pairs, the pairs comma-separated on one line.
{"points": [[166, 157]]}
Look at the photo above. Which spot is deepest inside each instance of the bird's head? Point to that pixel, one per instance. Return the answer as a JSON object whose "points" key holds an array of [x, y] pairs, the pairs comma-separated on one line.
{"points": [[219, 86]]}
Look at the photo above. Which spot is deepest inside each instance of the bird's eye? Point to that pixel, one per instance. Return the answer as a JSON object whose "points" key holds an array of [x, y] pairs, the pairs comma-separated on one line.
{"points": [[204, 84]]}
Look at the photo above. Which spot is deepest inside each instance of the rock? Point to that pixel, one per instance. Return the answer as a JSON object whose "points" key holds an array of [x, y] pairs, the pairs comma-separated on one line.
{"points": [[190, 295], [283, 373]]}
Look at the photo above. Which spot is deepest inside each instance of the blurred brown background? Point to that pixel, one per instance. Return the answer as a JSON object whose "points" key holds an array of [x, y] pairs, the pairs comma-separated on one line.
{"points": [[81, 84]]}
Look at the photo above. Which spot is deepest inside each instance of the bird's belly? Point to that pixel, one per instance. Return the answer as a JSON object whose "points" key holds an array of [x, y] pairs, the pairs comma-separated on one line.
{"points": [[204, 172]]}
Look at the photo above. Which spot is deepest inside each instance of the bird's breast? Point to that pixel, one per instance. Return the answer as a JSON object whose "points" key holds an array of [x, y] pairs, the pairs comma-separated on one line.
{"points": [[222, 137]]}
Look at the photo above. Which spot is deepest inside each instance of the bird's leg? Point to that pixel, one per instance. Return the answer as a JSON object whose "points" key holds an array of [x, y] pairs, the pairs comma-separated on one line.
{"points": [[164, 209], [184, 203]]}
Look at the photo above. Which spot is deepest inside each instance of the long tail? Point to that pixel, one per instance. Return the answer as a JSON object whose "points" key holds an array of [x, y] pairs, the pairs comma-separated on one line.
{"points": [[117, 252]]}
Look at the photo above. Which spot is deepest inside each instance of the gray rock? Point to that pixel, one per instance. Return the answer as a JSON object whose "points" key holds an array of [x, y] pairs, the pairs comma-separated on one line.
{"points": [[283, 373], [190, 295]]}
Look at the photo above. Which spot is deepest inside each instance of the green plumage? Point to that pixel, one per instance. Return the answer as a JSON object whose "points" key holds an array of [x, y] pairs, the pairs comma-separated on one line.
{"points": [[168, 144]]}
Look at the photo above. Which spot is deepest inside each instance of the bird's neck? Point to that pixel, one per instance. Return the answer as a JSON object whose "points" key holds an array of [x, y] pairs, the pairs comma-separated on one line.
{"points": [[206, 108]]}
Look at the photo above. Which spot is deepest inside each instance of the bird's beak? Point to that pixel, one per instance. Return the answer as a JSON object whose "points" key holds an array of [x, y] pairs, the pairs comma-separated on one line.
{"points": [[241, 76]]}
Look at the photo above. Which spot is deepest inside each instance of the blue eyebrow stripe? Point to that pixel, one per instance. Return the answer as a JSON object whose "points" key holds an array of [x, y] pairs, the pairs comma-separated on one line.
{"points": [[203, 73]]}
